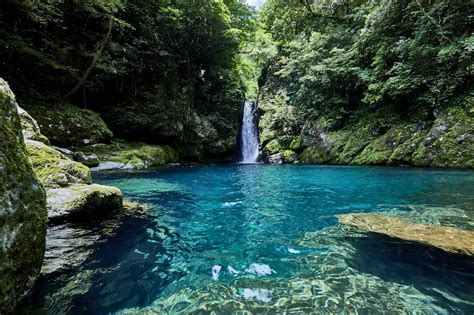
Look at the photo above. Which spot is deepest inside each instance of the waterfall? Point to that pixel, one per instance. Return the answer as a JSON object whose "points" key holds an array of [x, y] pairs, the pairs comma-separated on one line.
{"points": [[250, 141]]}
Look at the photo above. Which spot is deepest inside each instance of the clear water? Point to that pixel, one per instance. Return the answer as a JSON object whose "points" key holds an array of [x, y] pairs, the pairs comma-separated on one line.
{"points": [[280, 216]]}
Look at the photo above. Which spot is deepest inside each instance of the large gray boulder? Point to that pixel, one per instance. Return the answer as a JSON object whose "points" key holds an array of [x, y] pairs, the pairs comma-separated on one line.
{"points": [[83, 199], [23, 218]]}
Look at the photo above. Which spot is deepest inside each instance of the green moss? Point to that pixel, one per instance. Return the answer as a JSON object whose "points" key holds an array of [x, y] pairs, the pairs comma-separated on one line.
{"points": [[314, 155], [355, 143], [295, 144], [68, 125], [139, 155], [23, 203], [379, 151], [273, 147], [55, 169], [289, 156]]}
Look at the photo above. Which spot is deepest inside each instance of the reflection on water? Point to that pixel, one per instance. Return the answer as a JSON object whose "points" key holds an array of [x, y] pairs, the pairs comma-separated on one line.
{"points": [[263, 239]]}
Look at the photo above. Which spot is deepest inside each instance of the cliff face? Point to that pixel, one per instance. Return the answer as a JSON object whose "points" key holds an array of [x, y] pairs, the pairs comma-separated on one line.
{"points": [[443, 137], [22, 208]]}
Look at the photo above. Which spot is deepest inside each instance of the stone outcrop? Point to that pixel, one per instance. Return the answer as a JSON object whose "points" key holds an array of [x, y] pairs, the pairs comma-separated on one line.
{"points": [[449, 239], [68, 125], [68, 183], [22, 208], [54, 168], [121, 155], [83, 199]]}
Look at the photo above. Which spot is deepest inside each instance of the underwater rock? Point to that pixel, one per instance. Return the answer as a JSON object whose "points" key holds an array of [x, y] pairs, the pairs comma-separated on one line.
{"points": [[82, 199], [231, 270], [449, 239], [22, 209]]}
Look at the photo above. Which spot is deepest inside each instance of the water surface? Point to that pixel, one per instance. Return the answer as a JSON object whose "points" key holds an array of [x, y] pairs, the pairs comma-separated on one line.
{"points": [[275, 227]]}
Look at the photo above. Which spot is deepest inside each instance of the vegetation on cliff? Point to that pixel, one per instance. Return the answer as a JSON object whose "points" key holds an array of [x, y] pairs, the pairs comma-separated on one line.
{"points": [[363, 82]]}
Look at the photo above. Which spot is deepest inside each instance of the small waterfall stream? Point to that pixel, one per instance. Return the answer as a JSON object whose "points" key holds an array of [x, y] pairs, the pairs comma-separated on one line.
{"points": [[250, 142]]}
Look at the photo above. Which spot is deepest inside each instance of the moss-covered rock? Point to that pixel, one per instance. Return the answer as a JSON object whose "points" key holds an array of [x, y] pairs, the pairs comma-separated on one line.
{"points": [[450, 141], [289, 156], [68, 125], [55, 169], [30, 128], [314, 155], [379, 151], [273, 147], [22, 209], [82, 199], [132, 155]]}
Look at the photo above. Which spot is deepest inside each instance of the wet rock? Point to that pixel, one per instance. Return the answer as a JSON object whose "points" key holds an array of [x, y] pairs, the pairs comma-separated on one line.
{"points": [[449, 239], [70, 244], [22, 208], [82, 199]]}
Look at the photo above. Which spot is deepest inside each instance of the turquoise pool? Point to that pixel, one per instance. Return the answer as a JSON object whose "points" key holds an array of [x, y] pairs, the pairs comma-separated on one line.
{"points": [[265, 239]]}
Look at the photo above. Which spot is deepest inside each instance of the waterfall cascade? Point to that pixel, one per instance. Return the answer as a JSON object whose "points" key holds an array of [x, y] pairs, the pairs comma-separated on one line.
{"points": [[250, 142]]}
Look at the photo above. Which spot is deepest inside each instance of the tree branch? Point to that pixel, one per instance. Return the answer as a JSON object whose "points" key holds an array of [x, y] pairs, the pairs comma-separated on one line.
{"points": [[96, 58]]}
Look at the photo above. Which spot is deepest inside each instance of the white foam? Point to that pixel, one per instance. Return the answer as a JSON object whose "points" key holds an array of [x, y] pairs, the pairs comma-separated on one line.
{"points": [[262, 295], [293, 251], [260, 269], [216, 269], [232, 270]]}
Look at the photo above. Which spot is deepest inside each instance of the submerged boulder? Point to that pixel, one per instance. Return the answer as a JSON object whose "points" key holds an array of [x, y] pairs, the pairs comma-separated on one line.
{"points": [[22, 209], [82, 199], [449, 239]]}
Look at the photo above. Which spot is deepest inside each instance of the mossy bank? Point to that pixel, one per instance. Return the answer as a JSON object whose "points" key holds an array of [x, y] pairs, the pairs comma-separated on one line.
{"points": [[443, 137]]}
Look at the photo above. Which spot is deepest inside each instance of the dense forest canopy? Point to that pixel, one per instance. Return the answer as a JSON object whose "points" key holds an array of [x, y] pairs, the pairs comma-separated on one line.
{"points": [[154, 69], [344, 54], [160, 71]]}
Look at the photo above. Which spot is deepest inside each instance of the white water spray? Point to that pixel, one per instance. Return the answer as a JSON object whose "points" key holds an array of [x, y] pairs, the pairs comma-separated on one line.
{"points": [[250, 141]]}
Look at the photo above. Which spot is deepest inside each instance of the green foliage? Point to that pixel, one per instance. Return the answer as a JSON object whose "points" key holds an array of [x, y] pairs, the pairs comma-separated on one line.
{"points": [[391, 54], [139, 63]]}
